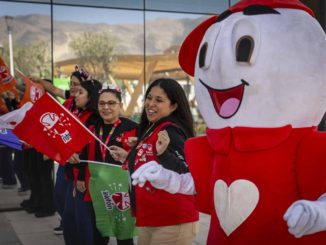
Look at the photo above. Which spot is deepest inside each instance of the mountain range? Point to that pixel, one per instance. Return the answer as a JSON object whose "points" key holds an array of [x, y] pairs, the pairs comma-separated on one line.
{"points": [[161, 33]]}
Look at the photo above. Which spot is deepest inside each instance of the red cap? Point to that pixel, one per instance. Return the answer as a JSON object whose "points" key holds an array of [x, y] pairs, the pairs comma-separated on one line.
{"points": [[190, 46], [288, 4]]}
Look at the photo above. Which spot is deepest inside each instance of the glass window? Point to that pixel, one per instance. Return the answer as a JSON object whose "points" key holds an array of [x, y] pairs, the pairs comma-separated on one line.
{"points": [[33, 1], [108, 42], [190, 6], [29, 37], [165, 33], [30, 31], [129, 4], [234, 2]]}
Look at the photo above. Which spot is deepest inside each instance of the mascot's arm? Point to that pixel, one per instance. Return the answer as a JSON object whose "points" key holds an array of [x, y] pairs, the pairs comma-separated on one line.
{"points": [[308, 215], [200, 158], [162, 178]]}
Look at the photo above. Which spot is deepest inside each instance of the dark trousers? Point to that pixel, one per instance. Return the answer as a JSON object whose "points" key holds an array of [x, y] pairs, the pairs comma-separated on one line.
{"points": [[125, 242], [20, 167], [46, 190], [41, 181], [60, 191], [77, 221], [6, 165]]}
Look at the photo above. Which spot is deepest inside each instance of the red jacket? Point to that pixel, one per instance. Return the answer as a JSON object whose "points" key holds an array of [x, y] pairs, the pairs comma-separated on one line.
{"points": [[158, 207], [284, 164]]}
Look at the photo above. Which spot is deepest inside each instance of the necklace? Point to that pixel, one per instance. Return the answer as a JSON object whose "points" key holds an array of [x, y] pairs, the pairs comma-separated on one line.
{"points": [[148, 130]]}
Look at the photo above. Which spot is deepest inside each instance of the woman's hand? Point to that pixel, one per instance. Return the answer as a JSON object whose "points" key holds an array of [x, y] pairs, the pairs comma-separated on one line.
{"points": [[162, 142], [74, 159], [118, 153], [80, 185]]}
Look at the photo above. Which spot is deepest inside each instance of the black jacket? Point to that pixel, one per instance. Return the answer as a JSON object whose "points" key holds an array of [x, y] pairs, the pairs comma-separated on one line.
{"points": [[173, 157], [124, 126]]}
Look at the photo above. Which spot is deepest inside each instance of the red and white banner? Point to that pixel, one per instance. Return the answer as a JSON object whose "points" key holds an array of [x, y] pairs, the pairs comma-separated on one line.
{"points": [[52, 130], [33, 91]]}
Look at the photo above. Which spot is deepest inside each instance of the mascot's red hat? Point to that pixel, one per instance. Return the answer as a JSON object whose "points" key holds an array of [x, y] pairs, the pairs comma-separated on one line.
{"points": [[189, 48]]}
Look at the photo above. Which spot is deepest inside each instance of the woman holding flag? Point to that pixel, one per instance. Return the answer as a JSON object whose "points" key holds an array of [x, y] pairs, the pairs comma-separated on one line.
{"points": [[103, 178], [76, 211], [76, 78]]}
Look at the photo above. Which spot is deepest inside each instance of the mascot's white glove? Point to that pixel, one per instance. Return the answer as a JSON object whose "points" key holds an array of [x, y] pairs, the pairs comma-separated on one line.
{"points": [[164, 179], [306, 217]]}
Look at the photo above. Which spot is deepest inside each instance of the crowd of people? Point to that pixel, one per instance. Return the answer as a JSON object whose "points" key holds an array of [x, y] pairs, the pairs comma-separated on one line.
{"points": [[10, 165], [32, 168], [166, 122]]}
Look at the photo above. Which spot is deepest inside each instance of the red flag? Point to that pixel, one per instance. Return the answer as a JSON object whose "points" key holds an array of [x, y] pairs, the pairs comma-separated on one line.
{"points": [[7, 81], [52, 130], [33, 91]]}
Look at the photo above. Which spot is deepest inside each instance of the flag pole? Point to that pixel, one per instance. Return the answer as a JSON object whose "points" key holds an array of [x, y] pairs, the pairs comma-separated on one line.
{"points": [[101, 163], [93, 135]]}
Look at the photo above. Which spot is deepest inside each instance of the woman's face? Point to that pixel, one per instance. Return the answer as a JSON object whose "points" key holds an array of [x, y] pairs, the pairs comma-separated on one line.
{"points": [[158, 105], [74, 85], [81, 97], [109, 107]]}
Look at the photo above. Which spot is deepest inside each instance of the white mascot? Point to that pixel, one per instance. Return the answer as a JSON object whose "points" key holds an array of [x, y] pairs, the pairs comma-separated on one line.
{"points": [[260, 171]]}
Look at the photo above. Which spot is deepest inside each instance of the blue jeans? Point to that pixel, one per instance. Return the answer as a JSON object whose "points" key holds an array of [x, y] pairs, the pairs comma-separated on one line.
{"points": [[77, 220]]}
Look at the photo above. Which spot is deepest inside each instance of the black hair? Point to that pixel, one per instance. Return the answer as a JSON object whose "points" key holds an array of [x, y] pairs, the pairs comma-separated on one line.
{"points": [[176, 95], [116, 92], [92, 87], [79, 76]]}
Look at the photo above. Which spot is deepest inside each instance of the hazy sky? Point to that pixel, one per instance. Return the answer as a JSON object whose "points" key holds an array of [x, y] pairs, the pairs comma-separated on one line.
{"points": [[86, 15]]}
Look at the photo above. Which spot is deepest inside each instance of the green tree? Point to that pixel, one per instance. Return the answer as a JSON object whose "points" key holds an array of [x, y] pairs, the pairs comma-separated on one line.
{"points": [[33, 59], [95, 51]]}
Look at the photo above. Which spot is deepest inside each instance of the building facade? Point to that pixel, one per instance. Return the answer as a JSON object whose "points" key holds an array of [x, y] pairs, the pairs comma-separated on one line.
{"points": [[127, 42]]}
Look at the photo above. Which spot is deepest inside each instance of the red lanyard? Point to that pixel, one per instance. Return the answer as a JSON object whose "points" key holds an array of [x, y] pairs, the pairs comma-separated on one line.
{"points": [[102, 147]]}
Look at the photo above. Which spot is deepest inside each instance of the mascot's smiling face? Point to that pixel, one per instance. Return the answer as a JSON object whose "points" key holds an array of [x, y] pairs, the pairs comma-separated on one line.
{"points": [[261, 67]]}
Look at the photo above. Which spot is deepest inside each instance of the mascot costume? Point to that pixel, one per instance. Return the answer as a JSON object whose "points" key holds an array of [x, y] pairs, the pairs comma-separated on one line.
{"points": [[260, 171]]}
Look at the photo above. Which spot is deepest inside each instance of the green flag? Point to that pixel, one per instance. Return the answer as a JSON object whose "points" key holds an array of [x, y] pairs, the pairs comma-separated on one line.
{"points": [[108, 186]]}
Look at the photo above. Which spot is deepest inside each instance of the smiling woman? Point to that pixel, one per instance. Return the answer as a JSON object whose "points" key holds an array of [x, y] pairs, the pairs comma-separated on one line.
{"points": [[109, 105], [166, 123], [114, 131]]}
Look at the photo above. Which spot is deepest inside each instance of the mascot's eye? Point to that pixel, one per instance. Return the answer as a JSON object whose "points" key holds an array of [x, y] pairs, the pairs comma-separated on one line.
{"points": [[244, 48], [202, 55]]}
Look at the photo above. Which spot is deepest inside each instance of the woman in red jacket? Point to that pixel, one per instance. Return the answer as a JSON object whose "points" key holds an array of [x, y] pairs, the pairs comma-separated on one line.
{"points": [[162, 218]]}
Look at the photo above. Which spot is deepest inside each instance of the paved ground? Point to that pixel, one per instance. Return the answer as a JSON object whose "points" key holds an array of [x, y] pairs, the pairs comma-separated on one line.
{"points": [[18, 227]]}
